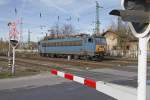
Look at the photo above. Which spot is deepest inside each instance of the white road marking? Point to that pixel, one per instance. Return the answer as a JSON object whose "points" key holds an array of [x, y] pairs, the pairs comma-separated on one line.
{"points": [[115, 72]]}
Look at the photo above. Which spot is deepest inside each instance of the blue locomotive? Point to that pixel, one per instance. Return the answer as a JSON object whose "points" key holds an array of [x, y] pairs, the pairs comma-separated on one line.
{"points": [[77, 47]]}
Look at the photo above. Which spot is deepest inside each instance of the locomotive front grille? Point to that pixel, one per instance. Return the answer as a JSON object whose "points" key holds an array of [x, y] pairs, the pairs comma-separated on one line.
{"points": [[100, 49]]}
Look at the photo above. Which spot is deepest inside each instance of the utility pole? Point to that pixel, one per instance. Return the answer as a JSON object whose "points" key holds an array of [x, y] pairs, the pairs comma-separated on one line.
{"points": [[1, 44], [21, 33], [9, 47], [57, 26], [119, 23], [29, 38], [97, 26], [9, 56]]}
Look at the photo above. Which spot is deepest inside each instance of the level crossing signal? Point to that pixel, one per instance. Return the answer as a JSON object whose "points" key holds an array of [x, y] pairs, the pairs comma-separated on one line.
{"points": [[13, 41], [13, 34], [137, 12]]}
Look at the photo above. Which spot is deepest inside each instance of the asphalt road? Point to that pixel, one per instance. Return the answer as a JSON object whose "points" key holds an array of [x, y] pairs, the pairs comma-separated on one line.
{"points": [[47, 87]]}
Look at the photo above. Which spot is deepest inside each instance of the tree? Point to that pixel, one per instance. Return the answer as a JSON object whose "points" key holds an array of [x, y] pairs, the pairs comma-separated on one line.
{"points": [[68, 29], [3, 46], [61, 32]]}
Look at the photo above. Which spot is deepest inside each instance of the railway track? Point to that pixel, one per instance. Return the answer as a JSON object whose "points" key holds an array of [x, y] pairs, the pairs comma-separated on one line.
{"points": [[105, 62], [46, 62]]}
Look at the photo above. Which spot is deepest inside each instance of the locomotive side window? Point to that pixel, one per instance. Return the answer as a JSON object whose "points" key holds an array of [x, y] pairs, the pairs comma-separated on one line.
{"points": [[38, 43], [90, 40], [65, 43], [101, 41], [44, 45]]}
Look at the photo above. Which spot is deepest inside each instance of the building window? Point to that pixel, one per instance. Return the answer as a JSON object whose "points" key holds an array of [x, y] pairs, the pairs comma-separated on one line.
{"points": [[128, 47]]}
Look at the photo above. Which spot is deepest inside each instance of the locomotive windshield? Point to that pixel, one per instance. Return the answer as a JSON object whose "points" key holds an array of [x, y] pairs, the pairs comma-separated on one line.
{"points": [[101, 41], [90, 40]]}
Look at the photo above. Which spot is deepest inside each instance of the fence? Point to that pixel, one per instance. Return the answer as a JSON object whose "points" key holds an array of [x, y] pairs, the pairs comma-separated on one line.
{"points": [[26, 51], [127, 53]]}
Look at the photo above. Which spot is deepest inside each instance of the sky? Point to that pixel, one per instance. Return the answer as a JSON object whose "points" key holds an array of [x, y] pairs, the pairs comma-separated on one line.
{"points": [[29, 11]]}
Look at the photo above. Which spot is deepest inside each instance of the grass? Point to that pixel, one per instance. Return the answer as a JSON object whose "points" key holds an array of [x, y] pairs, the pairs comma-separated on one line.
{"points": [[25, 70], [18, 73], [5, 75], [56, 67]]}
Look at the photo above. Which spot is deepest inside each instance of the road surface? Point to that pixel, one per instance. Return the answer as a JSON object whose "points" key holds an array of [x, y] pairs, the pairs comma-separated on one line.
{"points": [[46, 87]]}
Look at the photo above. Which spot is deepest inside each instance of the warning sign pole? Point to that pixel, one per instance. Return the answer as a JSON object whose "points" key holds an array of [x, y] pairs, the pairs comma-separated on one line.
{"points": [[13, 42], [13, 64]]}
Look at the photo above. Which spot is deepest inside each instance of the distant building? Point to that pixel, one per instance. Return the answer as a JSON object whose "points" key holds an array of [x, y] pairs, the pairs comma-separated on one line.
{"points": [[3, 47], [30, 46], [130, 47], [132, 44], [112, 40]]}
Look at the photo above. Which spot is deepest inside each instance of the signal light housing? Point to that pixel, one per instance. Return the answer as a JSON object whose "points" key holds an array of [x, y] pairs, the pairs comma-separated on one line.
{"points": [[137, 12]]}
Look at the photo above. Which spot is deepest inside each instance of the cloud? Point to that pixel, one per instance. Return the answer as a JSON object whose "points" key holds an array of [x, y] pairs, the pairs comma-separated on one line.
{"points": [[68, 7], [58, 2], [3, 2], [83, 9]]}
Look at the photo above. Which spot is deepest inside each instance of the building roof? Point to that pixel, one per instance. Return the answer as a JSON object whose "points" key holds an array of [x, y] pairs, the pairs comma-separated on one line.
{"points": [[108, 31], [131, 38]]}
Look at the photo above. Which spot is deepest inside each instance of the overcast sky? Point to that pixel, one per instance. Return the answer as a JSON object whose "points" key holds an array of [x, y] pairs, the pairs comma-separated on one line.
{"points": [[29, 11]]}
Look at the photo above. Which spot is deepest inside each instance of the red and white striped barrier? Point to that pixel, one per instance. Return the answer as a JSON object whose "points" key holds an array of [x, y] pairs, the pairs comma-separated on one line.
{"points": [[116, 91], [87, 82]]}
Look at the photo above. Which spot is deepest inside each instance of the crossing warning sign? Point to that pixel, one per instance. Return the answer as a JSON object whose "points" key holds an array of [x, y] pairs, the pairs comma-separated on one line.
{"points": [[13, 33]]}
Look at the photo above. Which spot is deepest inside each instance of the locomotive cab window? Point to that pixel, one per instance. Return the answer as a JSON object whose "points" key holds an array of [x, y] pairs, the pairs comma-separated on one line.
{"points": [[90, 40]]}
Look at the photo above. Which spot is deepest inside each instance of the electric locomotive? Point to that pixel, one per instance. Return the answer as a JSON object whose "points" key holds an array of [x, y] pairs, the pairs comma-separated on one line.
{"points": [[77, 47]]}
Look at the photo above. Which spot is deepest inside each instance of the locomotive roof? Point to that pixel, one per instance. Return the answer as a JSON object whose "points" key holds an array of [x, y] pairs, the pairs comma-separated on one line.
{"points": [[68, 39], [62, 39]]}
